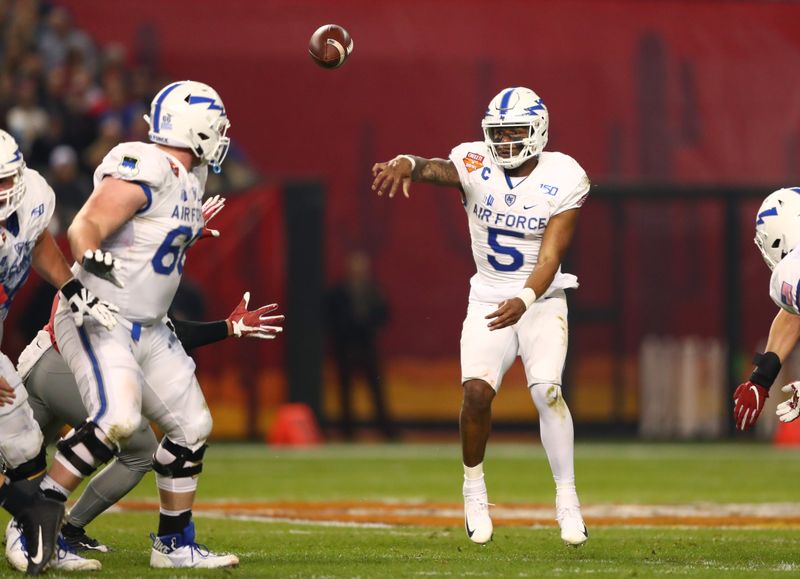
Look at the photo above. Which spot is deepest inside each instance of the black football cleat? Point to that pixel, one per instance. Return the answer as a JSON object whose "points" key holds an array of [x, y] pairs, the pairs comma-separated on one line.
{"points": [[79, 541]]}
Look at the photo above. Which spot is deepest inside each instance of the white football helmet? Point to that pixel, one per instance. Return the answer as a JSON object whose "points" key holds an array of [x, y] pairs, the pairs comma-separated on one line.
{"points": [[11, 165], [191, 115], [515, 107], [778, 225]]}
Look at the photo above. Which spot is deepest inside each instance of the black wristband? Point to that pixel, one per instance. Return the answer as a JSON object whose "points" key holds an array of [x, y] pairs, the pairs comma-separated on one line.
{"points": [[71, 288], [194, 334], [768, 365]]}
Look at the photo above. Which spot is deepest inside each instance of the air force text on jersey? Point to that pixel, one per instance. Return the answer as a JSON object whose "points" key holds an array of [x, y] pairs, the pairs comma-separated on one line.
{"points": [[531, 223], [187, 214]]}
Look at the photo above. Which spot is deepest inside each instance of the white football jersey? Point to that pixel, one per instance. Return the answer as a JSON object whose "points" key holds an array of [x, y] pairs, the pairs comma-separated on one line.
{"points": [[784, 285], [507, 217], [21, 230], [150, 248]]}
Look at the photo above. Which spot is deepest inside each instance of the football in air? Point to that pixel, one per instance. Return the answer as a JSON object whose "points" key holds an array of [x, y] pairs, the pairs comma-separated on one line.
{"points": [[330, 46]]}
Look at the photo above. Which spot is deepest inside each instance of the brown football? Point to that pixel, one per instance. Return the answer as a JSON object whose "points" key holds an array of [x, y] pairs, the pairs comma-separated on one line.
{"points": [[330, 45]]}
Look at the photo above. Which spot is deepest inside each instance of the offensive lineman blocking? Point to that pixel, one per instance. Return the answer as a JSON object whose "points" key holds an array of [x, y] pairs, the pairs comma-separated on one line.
{"points": [[131, 238], [522, 206]]}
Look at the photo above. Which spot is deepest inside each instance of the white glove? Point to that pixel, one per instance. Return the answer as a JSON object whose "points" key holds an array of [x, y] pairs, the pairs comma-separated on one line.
{"points": [[789, 409], [82, 302]]}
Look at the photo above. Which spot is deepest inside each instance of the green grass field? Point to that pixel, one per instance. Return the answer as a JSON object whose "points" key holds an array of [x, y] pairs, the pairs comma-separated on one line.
{"points": [[516, 474]]}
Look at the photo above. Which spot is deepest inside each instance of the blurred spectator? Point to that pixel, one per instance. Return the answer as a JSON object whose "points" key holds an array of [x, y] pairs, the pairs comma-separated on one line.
{"points": [[71, 188], [110, 136], [39, 156], [355, 311], [26, 120], [61, 43], [115, 103]]}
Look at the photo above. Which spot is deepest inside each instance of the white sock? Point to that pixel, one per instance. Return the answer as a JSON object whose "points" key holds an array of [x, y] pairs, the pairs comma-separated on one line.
{"points": [[169, 513], [474, 481], [473, 472], [566, 494], [51, 485]]}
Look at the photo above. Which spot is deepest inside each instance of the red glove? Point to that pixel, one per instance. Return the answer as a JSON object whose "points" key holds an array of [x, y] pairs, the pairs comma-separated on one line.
{"points": [[256, 323], [211, 207], [749, 401]]}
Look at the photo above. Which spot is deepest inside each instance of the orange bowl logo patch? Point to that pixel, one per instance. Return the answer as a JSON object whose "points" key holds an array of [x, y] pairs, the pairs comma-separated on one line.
{"points": [[473, 162]]}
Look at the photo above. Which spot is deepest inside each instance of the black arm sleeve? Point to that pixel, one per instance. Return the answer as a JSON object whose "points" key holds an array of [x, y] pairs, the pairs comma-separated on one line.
{"points": [[194, 334]]}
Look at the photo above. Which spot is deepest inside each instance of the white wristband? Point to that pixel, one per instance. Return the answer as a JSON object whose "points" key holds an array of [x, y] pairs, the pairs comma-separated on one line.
{"points": [[410, 160], [528, 296]]}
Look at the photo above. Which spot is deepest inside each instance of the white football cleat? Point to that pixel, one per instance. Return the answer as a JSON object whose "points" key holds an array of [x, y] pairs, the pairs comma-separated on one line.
{"points": [[179, 550], [477, 521], [16, 551], [573, 530], [67, 559]]}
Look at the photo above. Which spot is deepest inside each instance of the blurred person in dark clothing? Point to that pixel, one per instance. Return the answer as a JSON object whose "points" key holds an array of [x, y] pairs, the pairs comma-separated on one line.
{"points": [[71, 188], [43, 146], [355, 311], [111, 133]]}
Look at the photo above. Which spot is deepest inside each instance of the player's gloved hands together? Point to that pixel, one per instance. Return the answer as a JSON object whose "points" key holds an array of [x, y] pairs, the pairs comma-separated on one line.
{"points": [[391, 175], [789, 410], [748, 401], [82, 302], [102, 264], [255, 323], [211, 207], [507, 313]]}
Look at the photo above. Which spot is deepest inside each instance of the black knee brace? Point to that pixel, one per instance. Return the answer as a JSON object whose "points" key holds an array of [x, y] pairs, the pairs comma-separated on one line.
{"points": [[85, 435], [177, 468], [29, 469]]}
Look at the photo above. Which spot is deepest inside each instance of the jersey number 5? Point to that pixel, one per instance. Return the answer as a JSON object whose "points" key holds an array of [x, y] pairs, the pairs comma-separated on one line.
{"points": [[516, 256], [170, 253]]}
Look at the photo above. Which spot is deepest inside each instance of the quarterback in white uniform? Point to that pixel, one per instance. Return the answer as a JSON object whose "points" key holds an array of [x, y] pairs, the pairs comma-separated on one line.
{"points": [[26, 205], [778, 239], [130, 239], [522, 205]]}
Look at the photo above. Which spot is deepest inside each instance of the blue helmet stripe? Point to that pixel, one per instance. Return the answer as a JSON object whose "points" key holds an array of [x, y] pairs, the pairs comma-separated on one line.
{"points": [[505, 100], [766, 213], [212, 104], [157, 110]]}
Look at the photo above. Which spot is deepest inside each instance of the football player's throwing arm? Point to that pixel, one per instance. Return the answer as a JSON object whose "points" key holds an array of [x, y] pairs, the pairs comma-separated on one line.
{"points": [[403, 169]]}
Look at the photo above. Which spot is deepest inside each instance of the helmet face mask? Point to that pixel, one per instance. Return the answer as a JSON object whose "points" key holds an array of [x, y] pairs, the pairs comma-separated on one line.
{"points": [[12, 169], [515, 108], [778, 225], [191, 115]]}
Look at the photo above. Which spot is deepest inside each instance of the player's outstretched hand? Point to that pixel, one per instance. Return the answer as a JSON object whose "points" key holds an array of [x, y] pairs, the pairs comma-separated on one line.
{"points": [[84, 303], [507, 314], [748, 402], [102, 264], [7, 394], [789, 410], [211, 207], [255, 323], [391, 175]]}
